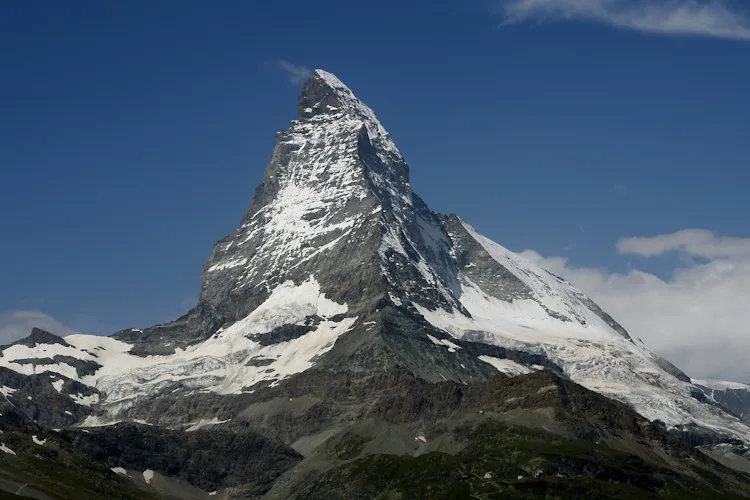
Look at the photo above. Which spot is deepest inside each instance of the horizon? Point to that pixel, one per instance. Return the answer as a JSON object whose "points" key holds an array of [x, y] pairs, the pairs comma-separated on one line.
{"points": [[118, 188]]}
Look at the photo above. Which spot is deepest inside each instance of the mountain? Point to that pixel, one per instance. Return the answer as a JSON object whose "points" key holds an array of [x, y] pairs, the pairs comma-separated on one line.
{"points": [[345, 321]]}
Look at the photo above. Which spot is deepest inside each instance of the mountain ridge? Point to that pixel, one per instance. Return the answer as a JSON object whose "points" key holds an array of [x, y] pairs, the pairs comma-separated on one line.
{"points": [[340, 275], [333, 241]]}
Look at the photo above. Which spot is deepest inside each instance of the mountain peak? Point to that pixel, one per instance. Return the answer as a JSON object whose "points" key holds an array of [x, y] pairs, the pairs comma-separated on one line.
{"points": [[324, 93], [40, 337], [339, 267], [324, 97]]}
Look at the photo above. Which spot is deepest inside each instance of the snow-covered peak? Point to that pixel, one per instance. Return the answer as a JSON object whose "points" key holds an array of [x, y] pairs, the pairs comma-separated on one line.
{"points": [[333, 81], [334, 239], [325, 96], [335, 186]]}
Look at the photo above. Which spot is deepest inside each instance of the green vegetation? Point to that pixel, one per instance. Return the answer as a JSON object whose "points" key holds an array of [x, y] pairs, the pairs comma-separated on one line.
{"points": [[68, 479], [511, 462], [350, 446]]}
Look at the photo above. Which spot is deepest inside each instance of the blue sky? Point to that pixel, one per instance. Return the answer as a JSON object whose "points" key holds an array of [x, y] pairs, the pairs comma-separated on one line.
{"points": [[132, 135]]}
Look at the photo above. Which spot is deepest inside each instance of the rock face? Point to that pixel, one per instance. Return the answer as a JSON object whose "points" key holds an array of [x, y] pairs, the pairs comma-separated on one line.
{"points": [[39, 336], [733, 397], [339, 277], [210, 459], [335, 203]]}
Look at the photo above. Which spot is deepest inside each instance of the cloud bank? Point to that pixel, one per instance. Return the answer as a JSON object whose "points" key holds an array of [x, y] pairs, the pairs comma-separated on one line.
{"points": [[713, 18], [690, 242], [698, 318]]}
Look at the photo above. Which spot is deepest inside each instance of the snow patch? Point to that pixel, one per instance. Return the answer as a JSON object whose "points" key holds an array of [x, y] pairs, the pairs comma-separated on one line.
{"points": [[227, 265], [194, 426], [444, 343], [506, 366], [148, 475], [7, 450], [82, 400], [95, 421], [38, 441]]}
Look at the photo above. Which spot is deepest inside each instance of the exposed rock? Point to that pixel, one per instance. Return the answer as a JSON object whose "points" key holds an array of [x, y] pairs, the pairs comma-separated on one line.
{"points": [[83, 367], [38, 399], [39, 336], [207, 458], [671, 369], [37, 463]]}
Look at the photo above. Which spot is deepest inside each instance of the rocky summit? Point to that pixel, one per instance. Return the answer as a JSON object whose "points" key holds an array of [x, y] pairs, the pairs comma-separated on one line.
{"points": [[349, 342]]}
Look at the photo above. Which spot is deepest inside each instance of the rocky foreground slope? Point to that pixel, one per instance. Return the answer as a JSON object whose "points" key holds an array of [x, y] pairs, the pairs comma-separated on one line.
{"points": [[346, 330]]}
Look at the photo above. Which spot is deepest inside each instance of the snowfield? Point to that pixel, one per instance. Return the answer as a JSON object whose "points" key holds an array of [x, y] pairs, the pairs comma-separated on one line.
{"points": [[589, 350], [218, 364]]}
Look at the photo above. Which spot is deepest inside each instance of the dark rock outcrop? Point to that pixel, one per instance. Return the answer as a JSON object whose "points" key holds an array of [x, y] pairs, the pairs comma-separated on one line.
{"points": [[39, 336], [38, 399], [210, 459]]}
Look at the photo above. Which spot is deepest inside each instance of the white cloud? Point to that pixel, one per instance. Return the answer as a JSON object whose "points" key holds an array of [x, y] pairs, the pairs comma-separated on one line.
{"points": [[698, 318], [714, 18], [295, 74], [691, 242], [15, 325]]}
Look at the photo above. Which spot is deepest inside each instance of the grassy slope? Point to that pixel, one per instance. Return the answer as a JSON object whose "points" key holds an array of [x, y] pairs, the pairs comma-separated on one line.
{"points": [[503, 461], [584, 445]]}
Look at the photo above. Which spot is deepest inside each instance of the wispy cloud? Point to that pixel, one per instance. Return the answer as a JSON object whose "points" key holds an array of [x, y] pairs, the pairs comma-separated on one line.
{"points": [[294, 73], [714, 18], [697, 317], [16, 325]]}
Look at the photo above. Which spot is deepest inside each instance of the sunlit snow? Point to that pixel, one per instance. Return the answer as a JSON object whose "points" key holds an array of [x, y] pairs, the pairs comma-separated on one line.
{"points": [[588, 350], [217, 364], [506, 366]]}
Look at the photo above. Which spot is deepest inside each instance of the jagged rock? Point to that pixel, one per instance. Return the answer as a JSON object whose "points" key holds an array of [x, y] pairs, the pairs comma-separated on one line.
{"points": [[733, 397], [37, 398], [39, 336], [210, 459]]}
